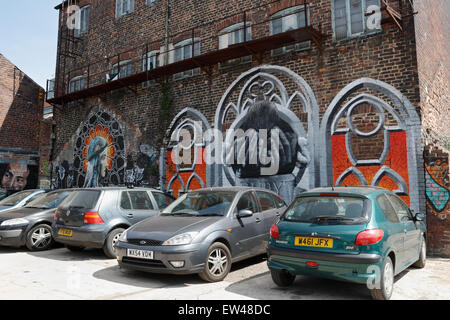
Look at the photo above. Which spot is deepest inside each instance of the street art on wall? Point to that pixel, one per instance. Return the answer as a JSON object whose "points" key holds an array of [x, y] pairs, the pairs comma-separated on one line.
{"points": [[18, 176], [62, 175], [142, 170], [99, 157], [437, 184]]}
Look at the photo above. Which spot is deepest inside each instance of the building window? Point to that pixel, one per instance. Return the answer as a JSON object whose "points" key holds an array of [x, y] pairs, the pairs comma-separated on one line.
{"points": [[151, 62], [232, 35], [124, 7], [125, 71], [76, 84], [286, 20], [82, 21], [183, 50], [147, 2], [349, 18]]}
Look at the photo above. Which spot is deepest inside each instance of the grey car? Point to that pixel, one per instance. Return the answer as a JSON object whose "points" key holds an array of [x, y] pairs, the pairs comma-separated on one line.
{"points": [[203, 231], [31, 224], [96, 217], [20, 199]]}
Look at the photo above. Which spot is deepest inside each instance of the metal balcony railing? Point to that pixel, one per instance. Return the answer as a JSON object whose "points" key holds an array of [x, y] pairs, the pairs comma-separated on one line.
{"points": [[200, 49]]}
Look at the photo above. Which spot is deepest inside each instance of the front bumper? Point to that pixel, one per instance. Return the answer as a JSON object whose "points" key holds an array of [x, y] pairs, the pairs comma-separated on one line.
{"points": [[13, 237], [192, 255], [347, 267]]}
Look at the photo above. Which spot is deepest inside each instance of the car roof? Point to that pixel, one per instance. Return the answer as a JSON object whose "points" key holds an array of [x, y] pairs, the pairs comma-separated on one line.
{"points": [[362, 190], [232, 188], [109, 188]]}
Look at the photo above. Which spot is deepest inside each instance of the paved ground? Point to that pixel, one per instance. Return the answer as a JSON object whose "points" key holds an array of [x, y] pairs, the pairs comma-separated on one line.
{"points": [[61, 274]]}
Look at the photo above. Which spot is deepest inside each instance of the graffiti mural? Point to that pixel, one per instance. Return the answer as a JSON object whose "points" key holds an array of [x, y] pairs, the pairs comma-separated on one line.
{"points": [[99, 157], [142, 169], [62, 175], [262, 103], [437, 184], [367, 140], [18, 176]]}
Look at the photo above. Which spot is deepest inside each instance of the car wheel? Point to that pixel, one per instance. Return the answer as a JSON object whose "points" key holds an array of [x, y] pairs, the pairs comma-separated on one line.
{"points": [[217, 264], [282, 278], [111, 240], [74, 248], [40, 238], [423, 255], [386, 282]]}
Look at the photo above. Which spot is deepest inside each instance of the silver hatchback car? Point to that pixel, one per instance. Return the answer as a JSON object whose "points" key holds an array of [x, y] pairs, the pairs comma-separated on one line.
{"points": [[203, 231]]}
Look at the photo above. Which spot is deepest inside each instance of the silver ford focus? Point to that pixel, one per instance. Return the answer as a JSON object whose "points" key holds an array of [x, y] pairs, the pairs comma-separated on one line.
{"points": [[203, 231]]}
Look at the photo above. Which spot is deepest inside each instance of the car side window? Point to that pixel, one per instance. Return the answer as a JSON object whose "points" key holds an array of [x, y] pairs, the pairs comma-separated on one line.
{"points": [[161, 199], [279, 203], [125, 201], [140, 200], [265, 200], [247, 202], [34, 197], [400, 208], [386, 207]]}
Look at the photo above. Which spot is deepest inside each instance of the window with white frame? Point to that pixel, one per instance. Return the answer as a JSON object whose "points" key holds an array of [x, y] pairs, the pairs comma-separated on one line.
{"points": [[122, 72], [232, 35], [349, 18], [82, 21], [150, 60], [76, 84], [124, 7], [184, 50], [286, 20]]}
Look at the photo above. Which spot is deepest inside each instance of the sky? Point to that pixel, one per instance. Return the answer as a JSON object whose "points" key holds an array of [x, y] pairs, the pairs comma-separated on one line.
{"points": [[29, 36]]}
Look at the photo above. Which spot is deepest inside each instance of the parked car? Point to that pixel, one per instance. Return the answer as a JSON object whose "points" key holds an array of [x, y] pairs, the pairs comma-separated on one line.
{"points": [[19, 199], [31, 224], [204, 231], [96, 217], [364, 235]]}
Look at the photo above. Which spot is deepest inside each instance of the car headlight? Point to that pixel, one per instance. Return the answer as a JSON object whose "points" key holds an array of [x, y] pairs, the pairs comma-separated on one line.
{"points": [[123, 237], [14, 222], [181, 239]]}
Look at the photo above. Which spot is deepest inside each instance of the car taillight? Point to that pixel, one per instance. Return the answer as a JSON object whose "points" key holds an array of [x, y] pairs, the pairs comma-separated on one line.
{"points": [[274, 232], [367, 237], [92, 218]]}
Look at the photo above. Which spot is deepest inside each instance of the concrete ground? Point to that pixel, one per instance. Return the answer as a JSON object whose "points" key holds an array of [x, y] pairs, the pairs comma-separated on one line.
{"points": [[61, 274]]}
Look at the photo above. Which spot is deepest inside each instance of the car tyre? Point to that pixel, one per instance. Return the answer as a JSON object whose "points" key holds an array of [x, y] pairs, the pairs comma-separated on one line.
{"points": [[386, 285], [111, 240], [217, 263], [282, 278], [423, 255], [74, 248], [40, 238]]}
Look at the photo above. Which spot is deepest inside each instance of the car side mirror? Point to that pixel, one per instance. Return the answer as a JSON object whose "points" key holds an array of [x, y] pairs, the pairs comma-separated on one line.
{"points": [[419, 217], [244, 213]]}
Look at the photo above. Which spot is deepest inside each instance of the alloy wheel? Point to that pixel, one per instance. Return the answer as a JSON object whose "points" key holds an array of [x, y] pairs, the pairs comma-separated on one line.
{"points": [[388, 278], [217, 262], [41, 238]]}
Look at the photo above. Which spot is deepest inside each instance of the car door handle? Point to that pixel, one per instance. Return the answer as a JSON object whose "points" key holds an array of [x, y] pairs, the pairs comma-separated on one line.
{"points": [[258, 220], [130, 215], [278, 214]]}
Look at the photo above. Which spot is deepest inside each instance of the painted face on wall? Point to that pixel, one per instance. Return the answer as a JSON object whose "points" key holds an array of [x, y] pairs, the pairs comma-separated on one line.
{"points": [[15, 176]]}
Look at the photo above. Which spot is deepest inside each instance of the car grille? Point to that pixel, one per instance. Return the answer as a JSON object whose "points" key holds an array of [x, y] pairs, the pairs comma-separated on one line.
{"points": [[145, 242], [143, 262]]}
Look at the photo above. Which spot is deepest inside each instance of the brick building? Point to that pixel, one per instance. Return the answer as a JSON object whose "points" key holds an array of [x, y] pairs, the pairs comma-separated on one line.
{"points": [[341, 79], [21, 106]]}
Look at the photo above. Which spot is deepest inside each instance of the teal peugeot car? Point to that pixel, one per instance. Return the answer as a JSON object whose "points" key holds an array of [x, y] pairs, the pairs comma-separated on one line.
{"points": [[359, 234]]}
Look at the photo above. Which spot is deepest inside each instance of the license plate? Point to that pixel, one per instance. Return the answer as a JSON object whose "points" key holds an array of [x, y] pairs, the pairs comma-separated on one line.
{"points": [[142, 254], [314, 242], [65, 232]]}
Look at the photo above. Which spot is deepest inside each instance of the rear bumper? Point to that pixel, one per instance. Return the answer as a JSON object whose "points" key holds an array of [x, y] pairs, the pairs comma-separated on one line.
{"points": [[88, 236], [347, 267]]}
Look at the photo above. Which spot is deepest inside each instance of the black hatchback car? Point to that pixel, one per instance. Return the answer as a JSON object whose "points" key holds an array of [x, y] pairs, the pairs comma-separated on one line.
{"points": [[31, 225], [96, 217]]}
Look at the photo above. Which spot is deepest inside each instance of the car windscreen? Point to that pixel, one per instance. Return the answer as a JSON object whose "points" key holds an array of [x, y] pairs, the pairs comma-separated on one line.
{"points": [[81, 199], [15, 198], [48, 201], [327, 210], [214, 203]]}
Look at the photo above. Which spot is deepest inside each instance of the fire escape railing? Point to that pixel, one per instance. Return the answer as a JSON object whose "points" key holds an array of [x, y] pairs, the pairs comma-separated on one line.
{"points": [[131, 67]]}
